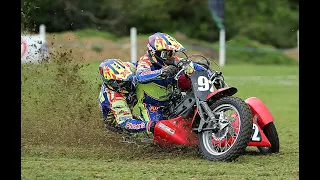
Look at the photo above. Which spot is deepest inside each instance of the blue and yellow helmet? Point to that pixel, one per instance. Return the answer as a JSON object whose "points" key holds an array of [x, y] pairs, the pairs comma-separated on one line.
{"points": [[117, 75], [163, 46]]}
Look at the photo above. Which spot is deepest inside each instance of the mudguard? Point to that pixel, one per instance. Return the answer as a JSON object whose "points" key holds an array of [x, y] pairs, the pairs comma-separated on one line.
{"points": [[227, 91], [258, 138], [260, 112]]}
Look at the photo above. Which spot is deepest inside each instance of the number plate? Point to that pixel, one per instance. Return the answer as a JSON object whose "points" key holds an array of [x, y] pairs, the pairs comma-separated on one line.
{"points": [[201, 84]]}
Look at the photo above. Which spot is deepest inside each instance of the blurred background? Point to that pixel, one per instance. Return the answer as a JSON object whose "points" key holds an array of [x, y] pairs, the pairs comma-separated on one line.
{"points": [[258, 41], [60, 116], [259, 32]]}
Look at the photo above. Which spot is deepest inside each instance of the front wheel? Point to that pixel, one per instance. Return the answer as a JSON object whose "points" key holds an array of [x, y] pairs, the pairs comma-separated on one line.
{"points": [[231, 140]]}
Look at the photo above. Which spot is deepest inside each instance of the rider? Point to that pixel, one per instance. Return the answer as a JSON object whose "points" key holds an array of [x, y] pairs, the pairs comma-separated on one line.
{"points": [[116, 95], [154, 76]]}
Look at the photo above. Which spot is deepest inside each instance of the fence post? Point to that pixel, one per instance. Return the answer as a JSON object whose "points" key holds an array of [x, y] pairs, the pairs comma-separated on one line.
{"points": [[133, 40], [222, 49], [42, 33]]}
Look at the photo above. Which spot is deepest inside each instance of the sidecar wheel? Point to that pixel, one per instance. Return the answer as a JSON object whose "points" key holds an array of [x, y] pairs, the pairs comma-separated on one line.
{"points": [[231, 141], [271, 132]]}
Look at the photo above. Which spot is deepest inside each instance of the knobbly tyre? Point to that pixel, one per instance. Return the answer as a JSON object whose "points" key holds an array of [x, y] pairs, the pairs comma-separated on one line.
{"points": [[204, 111]]}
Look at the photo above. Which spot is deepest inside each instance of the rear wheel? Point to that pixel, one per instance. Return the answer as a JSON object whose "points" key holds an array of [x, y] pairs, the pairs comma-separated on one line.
{"points": [[271, 132], [236, 126]]}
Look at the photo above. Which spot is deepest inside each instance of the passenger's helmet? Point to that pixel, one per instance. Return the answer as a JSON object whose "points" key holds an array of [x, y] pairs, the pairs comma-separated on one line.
{"points": [[162, 47], [117, 75]]}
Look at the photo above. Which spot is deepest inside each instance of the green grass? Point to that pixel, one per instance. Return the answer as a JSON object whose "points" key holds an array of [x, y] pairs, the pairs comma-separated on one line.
{"points": [[95, 33], [63, 135], [162, 169], [243, 50]]}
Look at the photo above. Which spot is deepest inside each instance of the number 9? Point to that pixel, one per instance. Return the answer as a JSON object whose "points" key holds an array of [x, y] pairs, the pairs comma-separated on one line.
{"points": [[203, 83]]}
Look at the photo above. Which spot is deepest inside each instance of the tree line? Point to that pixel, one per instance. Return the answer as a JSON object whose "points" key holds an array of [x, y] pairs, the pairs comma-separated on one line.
{"points": [[267, 21]]}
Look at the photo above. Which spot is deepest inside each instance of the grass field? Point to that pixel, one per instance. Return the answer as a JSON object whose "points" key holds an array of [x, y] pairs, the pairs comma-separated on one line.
{"points": [[63, 135]]}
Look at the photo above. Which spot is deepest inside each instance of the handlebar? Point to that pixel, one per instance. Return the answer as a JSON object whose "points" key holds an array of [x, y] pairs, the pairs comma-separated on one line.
{"points": [[187, 59], [184, 62]]}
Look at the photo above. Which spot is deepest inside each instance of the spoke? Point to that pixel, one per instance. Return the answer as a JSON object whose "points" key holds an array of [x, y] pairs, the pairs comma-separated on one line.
{"points": [[222, 141]]}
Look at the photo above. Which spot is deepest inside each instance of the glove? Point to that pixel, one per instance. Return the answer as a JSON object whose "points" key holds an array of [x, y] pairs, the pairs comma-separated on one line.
{"points": [[190, 69], [169, 71]]}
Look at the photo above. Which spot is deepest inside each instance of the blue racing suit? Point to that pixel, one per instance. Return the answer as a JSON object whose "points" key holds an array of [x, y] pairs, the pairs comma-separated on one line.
{"points": [[153, 91]]}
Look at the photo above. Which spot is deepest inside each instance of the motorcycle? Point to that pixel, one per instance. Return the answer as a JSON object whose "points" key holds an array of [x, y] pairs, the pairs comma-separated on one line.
{"points": [[203, 111]]}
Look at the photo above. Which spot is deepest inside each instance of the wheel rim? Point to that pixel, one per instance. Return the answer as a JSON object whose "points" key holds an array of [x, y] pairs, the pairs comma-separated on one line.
{"points": [[220, 142]]}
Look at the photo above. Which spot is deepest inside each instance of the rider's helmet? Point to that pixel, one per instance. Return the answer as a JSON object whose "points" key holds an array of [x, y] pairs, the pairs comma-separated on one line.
{"points": [[162, 48], [117, 75]]}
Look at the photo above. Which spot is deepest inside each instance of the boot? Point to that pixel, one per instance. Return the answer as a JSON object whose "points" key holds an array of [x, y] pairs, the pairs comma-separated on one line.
{"points": [[151, 125]]}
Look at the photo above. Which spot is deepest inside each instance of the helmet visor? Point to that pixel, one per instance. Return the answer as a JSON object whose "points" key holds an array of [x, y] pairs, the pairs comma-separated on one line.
{"points": [[118, 85], [165, 54]]}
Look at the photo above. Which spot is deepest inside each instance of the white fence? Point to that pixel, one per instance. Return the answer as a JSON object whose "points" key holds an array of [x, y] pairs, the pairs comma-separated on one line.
{"points": [[33, 47]]}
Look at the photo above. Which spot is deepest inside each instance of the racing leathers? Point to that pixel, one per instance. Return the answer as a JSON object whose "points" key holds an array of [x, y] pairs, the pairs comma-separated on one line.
{"points": [[116, 107], [152, 89]]}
